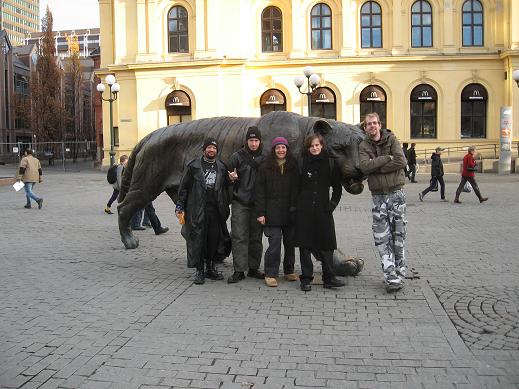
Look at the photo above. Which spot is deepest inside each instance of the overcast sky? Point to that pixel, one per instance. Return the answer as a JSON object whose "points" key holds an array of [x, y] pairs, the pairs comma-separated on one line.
{"points": [[72, 14]]}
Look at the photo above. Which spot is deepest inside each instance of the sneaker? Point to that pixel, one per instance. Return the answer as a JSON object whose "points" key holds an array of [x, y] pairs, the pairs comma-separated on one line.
{"points": [[392, 279], [420, 196], [401, 271], [306, 287], [291, 277], [213, 274], [237, 276], [255, 273], [28, 206], [271, 281], [444, 200], [40, 203], [333, 283], [199, 277], [483, 199], [108, 211], [162, 230]]}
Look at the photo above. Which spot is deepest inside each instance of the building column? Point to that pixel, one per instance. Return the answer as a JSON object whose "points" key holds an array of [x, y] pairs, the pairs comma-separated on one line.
{"points": [[449, 21], [514, 25], [349, 28], [200, 29], [142, 29], [399, 28], [298, 32]]}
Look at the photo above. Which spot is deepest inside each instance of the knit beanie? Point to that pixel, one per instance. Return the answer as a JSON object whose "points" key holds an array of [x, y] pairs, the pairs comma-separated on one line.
{"points": [[279, 141], [253, 132], [209, 142]]}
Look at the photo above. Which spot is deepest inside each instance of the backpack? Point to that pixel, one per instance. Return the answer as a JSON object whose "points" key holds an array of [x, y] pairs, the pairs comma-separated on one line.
{"points": [[111, 175]]}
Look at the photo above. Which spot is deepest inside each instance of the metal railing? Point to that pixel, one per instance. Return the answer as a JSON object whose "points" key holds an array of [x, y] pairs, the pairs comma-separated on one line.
{"points": [[456, 153], [54, 153]]}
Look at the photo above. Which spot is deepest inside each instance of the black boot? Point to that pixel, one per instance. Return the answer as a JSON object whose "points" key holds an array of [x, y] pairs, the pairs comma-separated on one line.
{"points": [[212, 273], [333, 283], [200, 275]]}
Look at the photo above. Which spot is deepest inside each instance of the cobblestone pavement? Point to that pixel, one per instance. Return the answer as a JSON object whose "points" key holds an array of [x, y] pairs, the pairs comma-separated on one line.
{"points": [[77, 310]]}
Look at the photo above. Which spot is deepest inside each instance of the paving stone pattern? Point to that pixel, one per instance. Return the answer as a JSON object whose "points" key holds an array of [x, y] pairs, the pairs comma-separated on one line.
{"points": [[77, 310]]}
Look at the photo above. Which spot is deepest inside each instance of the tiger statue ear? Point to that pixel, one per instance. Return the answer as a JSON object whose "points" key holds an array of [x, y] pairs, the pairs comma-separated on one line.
{"points": [[322, 127]]}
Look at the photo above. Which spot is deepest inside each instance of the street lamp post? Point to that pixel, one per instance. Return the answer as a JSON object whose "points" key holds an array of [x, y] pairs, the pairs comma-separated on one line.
{"points": [[114, 90], [312, 80]]}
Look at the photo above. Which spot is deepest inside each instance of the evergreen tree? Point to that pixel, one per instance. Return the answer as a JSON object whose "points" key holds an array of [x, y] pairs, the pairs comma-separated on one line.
{"points": [[46, 88]]}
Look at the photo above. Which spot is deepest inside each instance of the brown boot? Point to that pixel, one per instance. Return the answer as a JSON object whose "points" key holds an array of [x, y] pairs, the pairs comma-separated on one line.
{"points": [[482, 199]]}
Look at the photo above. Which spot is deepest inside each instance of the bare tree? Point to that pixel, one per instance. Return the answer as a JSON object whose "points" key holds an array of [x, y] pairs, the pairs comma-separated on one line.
{"points": [[74, 94]]}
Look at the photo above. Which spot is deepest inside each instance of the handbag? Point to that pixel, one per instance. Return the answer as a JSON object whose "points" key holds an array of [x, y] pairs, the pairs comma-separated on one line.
{"points": [[467, 188], [433, 184]]}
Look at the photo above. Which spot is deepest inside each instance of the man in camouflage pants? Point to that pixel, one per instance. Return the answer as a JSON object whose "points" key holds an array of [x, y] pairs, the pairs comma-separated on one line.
{"points": [[383, 161]]}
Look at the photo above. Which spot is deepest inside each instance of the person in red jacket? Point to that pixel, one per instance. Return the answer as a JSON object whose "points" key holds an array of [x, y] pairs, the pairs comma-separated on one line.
{"points": [[469, 174]]}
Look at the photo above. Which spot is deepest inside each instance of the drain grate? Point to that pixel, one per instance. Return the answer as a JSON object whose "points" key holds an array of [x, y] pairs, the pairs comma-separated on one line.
{"points": [[486, 318]]}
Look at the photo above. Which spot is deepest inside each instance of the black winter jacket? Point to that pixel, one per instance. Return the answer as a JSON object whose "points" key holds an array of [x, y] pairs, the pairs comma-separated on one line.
{"points": [[315, 228], [436, 165], [276, 193], [246, 164]]}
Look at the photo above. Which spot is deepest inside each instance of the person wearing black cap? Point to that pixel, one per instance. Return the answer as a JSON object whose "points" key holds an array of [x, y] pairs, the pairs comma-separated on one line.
{"points": [[246, 232], [275, 202], [203, 203], [436, 175]]}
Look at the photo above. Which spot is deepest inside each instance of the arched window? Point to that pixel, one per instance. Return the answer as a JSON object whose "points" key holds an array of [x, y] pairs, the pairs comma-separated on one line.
{"points": [[423, 112], [474, 111], [323, 104], [371, 25], [472, 21], [373, 99], [272, 100], [178, 107], [271, 29], [177, 30], [421, 24], [321, 27]]}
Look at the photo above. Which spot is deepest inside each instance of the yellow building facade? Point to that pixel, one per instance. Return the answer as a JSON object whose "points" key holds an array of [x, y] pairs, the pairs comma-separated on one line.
{"points": [[438, 71]]}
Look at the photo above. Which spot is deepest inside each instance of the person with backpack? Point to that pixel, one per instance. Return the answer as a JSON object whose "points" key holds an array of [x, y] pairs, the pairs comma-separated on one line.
{"points": [[114, 176], [315, 228]]}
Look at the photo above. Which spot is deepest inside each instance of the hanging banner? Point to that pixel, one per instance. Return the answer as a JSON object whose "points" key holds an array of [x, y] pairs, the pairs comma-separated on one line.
{"points": [[505, 141]]}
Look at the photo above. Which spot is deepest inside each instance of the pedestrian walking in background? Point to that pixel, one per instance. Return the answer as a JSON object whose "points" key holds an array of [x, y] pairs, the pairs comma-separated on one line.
{"points": [[468, 173], [246, 231], [411, 162], [275, 203], [382, 160], [123, 161], [315, 227], [138, 221], [405, 150], [30, 173], [436, 175], [203, 204]]}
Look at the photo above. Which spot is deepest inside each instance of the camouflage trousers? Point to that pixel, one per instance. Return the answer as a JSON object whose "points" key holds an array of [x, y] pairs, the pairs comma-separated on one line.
{"points": [[389, 228]]}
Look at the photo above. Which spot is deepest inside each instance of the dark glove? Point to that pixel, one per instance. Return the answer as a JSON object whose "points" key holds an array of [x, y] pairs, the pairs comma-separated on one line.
{"points": [[330, 207]]}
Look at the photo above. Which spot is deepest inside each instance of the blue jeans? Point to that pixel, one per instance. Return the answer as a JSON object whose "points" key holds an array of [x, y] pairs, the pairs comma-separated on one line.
{"points": [[29, 193]]}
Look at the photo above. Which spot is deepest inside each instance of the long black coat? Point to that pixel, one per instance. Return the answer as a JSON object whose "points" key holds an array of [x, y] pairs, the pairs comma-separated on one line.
{"points": [[276, 193], [315, 227], [192, 195]]}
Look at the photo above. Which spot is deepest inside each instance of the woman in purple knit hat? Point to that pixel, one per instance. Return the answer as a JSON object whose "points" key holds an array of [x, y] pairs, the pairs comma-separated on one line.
{"points": [[276, 195]]}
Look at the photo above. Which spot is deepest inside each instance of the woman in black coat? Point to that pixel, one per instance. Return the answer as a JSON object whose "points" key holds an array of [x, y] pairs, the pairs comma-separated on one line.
{"points": [[275, 197], [315, 228]]}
